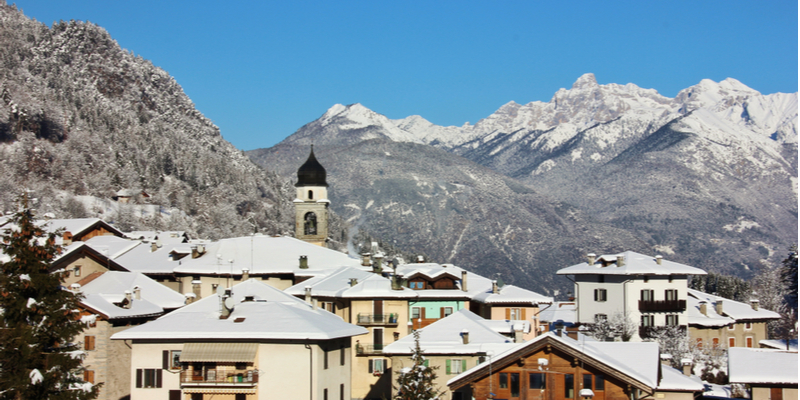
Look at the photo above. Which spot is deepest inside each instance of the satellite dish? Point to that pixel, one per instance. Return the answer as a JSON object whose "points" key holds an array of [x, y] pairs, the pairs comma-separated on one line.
{"points": [[229, 302]]}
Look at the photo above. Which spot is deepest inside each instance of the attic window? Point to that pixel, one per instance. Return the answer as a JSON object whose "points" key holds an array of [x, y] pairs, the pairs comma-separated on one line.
{"points": [[240, 319]]}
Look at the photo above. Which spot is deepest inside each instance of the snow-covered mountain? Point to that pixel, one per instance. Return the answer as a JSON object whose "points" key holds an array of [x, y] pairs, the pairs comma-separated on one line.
{"points": [[708, 177]]}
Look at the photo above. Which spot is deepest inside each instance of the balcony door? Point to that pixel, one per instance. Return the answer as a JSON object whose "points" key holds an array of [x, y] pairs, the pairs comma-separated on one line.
{"points": [[377, 339], [377, 310]]}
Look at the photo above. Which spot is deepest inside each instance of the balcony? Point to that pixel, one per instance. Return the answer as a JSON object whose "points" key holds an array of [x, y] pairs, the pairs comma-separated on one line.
{"points": [[369, 349], [219, 377], [662, 305], [377, 319]]}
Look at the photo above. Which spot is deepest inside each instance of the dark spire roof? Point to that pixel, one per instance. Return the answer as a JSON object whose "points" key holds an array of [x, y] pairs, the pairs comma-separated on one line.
{"points": [[312, 173]]}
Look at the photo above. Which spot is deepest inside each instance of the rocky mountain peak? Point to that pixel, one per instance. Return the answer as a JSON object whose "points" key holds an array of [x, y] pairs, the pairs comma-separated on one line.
{"points": [[585, 81]]}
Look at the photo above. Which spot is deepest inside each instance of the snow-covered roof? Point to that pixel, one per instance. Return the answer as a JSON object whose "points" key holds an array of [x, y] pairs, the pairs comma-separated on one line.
{"points": [[674, 380], [778, 344], [142, 258], [445, 337], [633, 264], [263, 255], [476, 284], [117, 283], [165, 237], [270, 315], [510, 294], [337, 284], [105, 304], [112, 246], [77, 226], [732, 311], [774, 366], [559, 311], [76, 248], [639, 361]]}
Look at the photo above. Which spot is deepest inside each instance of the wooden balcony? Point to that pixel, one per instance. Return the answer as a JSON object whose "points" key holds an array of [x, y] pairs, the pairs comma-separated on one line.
{"points": [[219, 377], [662, 305], [376, 319]]}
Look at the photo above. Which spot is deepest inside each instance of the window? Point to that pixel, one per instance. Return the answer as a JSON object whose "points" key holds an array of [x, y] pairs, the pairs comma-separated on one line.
{"points": [[455, 367], [648, 320], [569, 386], [671, 294], [699, 343], [341, 391], [672, 319], [88, 376], [414, 312], [647, 295], [175, 359], [748, 326], [176, 395], [600, 295], [325, 394], [538, 381], [514, 385], [600, 318], [376, 366], [601, 278], [731, 327], [197, 396], [328, 306], [341, 356], [447, 311], [514, 314], [311, 195], [749, 341], [88, 342], [77, 271], [417, 285], [240, 396], [715, 342], [587, 381], [148, 378], [646, 279], [503, 380], [731, 342], [599, 382], [324, 359]]}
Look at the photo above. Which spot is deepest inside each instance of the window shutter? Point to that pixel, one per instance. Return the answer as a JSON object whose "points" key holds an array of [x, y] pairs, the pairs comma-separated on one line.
{"points": [[158, 377], [165, 359], [371, 367], [508, 313], [463, 365], [447, 365], [595, 294], [441, 312], [139, 378], [524, 318]]}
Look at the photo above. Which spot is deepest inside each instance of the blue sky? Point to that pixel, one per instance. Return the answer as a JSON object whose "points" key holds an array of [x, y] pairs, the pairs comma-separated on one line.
{"points": [[261, 70]]}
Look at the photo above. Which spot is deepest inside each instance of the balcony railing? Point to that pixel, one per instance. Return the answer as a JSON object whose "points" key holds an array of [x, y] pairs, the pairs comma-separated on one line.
{"points": [[377, 319], [662, 305], [219, 377], [369, 349]]}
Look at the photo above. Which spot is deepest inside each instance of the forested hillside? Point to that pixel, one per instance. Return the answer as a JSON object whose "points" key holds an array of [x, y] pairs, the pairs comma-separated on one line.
{"points": [[81, 119]]}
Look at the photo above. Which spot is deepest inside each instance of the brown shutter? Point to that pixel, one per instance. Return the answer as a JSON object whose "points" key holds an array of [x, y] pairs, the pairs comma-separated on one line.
{"points": [[523, 314], [370, 367], [139, 378], [508, 313], [158, 377], [165, 359]]}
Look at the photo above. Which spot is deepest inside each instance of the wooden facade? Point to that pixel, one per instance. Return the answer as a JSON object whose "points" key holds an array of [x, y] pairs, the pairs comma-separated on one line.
{"points": [[549, 371]]}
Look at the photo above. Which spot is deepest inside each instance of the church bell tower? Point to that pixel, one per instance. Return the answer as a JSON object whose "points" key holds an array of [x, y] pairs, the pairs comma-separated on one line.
{"points": [[311, 204]]}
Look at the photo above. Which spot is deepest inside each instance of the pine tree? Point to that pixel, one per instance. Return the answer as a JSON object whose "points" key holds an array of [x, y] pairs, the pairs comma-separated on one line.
{"points": [[416, 382], [37, 357]]}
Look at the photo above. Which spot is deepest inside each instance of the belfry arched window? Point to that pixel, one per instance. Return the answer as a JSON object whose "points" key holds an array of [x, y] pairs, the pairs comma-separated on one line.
{"points": [[311, 195], [310, 224]]}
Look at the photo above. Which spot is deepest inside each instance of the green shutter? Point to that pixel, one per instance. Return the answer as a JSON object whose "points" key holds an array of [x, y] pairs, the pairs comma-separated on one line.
{"points": [[464, 365], [447, 367]]}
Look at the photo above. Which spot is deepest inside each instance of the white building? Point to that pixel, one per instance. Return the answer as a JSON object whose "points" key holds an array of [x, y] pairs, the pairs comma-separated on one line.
{"points": [[648, 290], [250, 342]]}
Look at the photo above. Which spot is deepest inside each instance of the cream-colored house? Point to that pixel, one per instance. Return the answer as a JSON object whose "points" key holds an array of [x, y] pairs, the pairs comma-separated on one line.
{"points": [[769, 374], [511, 303], [250, 342], [718, 322], [370, 300]]}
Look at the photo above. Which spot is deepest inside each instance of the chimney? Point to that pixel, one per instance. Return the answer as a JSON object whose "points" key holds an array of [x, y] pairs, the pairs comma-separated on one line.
{"points": [[620, 261], [353, 282], [365, 260], [687, 366], [703, 307], [303, 262], [464, 281], [754, 304], [195, 251], [67, 238], [495, 290], [517, 333], [75, 287], [666, 359], [659, 259], [225, 310], [377, 267], [128, 299], [196, 287], [189, 298], [420, 259], [153, 247], [410, 327], [465, 336], [396, 282], [137, 293], [308, 294], [590, 258], [718, 306], [245, 274]]}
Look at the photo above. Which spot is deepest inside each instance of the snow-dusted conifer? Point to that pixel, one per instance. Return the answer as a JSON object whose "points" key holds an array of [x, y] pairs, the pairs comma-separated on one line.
{"points": [[37, 357], [416, 382]]}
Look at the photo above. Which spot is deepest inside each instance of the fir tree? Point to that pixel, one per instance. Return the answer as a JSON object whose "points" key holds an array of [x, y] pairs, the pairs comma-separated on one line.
{"points": [[40, 318], [416, 382]]}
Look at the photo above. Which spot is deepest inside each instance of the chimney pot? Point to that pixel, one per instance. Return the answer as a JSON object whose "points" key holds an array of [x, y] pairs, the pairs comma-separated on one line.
{"points": [[495, 289], [128, 299], [703, 308], [195, 251], [420, 259], [303, 262], [137, 292], [365, 262], [754, 304], [718, 306], [591, 258], [308, 294], [245, 274], [465, 336], [153, 247], [464, 281], [659, 259], [377, 266], [620, 261]]}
